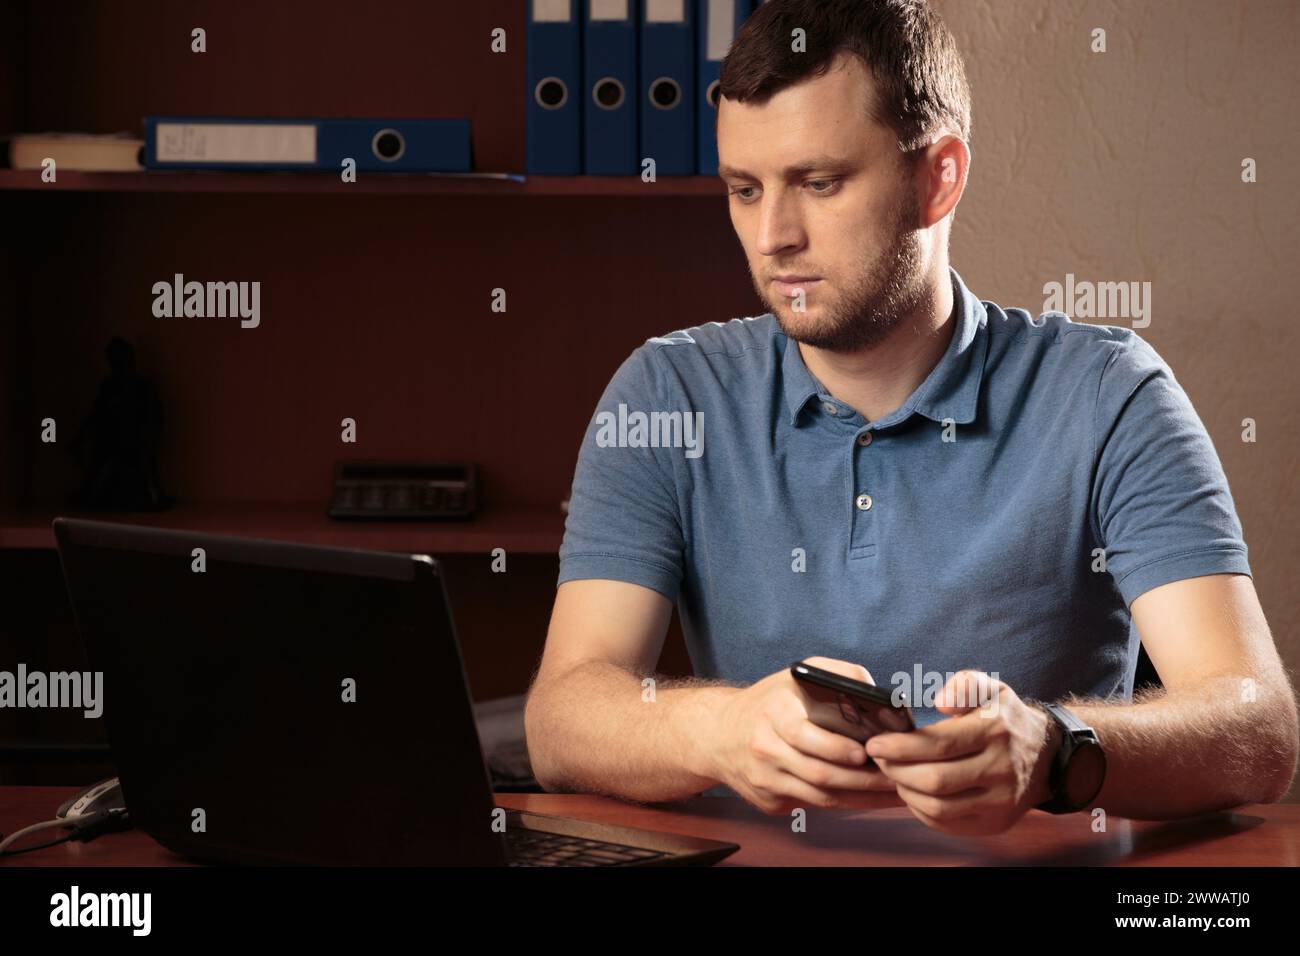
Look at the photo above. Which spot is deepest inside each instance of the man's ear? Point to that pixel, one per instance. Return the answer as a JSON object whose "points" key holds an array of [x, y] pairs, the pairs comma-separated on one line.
{"points": [[942, 170]]}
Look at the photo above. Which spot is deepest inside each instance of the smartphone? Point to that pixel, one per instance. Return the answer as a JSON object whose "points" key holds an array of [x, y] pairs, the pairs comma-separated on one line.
{"points": [[850, 707]]}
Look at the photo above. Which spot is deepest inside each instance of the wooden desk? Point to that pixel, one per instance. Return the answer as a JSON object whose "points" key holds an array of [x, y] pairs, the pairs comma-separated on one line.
{"points": [[1261, 835]]}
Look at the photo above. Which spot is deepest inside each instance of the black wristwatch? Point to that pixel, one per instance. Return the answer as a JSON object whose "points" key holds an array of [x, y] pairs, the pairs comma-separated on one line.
{"points": [[1079, 766]]}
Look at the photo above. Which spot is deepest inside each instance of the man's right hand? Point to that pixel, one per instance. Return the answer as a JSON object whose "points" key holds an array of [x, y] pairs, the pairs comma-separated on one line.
{"points": [[769, 752]]}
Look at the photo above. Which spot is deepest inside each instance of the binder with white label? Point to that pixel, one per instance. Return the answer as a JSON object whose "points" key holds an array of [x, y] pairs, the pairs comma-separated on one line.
{"points": [[609, 82], [668, 85], [214, 142], [720, 21], [553, 109]]}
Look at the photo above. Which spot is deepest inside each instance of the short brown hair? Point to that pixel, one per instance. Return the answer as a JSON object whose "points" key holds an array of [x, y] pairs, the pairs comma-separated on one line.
{"points": [[907, 49]]}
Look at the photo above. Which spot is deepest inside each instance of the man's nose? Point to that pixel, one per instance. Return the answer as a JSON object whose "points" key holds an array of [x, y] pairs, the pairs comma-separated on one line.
{"points": [[779, 227]]}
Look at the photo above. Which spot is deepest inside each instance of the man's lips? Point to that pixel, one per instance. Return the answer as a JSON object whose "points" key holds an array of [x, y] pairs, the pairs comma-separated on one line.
{"points": [[790, 285]]}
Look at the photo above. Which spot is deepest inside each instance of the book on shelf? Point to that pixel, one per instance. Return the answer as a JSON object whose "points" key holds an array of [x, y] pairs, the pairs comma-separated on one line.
{"points": [[82, 152]]}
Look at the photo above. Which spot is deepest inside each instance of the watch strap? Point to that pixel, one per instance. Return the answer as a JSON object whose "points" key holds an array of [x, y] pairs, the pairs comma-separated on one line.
{"points": [[1074, 734]]}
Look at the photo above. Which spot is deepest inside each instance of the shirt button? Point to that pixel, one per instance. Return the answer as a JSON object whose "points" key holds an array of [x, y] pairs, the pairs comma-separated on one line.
{"points": [[864, 439], [830, 408], [863, 502]]}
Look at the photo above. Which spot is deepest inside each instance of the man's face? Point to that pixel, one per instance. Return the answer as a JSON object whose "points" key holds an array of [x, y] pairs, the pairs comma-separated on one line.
{"points": [[819, 191]]}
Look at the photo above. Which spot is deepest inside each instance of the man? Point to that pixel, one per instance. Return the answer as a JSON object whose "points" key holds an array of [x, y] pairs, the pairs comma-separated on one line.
{"points": [[894, 477]]}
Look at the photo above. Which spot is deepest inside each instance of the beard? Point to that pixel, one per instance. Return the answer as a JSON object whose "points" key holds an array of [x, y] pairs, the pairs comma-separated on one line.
{"points": [[880, 299]]}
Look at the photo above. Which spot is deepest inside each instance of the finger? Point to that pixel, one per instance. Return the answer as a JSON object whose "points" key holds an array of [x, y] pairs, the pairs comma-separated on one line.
{"points": [[821, 773], [941, 777], [806, 737], [962, 827], [843, 668], [865, 799], [779, 792], [944, 740], [969, 690], [947, 808], [793, 792]]}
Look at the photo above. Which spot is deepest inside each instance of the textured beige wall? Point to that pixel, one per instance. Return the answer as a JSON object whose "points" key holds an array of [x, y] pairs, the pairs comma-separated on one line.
{"points": [[1126, 166]]}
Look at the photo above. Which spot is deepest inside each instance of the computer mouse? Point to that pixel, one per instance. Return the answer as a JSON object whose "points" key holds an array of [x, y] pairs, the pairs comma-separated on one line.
{"points": [[97, 798]]}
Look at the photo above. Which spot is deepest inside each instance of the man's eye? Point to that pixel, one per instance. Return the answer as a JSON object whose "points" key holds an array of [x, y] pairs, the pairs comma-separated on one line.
{"points": [[830, 185], [740, 190]]}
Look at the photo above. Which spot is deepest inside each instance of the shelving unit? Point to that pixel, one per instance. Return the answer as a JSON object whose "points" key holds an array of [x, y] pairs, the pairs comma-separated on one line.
{"points": [[520, 531], [373, 184], [375, 305]]}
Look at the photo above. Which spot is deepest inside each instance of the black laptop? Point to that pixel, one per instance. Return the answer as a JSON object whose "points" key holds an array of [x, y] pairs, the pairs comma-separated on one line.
{"points": [[269, 702]]}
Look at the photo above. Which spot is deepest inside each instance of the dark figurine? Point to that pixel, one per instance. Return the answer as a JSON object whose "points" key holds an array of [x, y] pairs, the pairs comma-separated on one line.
{"points": [[123, 433]]}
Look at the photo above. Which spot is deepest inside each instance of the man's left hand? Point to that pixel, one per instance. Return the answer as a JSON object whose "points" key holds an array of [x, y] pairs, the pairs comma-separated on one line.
{"points": [[979, 771]]}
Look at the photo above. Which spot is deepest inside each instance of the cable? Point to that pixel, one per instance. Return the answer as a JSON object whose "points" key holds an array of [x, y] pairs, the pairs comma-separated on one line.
{"points": [[37, 827], [85, 826], [39, 846]]}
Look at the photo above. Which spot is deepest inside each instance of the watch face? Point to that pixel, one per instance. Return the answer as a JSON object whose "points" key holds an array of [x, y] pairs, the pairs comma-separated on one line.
{"points": [[1084, 775]]}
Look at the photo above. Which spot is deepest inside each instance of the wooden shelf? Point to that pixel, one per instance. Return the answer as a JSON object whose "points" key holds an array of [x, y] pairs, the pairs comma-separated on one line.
{"points": [[399, 184], [520, 530]]}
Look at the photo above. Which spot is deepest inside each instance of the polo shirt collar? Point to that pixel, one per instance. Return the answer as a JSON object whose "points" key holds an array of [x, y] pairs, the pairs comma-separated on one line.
{"points": [[950, 391]]}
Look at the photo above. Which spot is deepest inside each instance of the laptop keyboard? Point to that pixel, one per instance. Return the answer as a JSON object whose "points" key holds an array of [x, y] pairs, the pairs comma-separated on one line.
{"points": [[536, 848]]}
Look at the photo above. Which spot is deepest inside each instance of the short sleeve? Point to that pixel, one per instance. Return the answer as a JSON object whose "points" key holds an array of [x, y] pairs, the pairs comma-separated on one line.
{"points": [[624, 522], [1161, 502]]}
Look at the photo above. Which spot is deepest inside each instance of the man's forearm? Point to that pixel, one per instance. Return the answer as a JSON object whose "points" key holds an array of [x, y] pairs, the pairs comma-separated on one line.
{"points": [[596, 729], [1200, 749]]}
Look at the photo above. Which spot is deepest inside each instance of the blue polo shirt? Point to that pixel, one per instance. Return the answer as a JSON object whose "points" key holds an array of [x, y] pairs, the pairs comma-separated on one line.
{"points": [[1044, 475]]}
